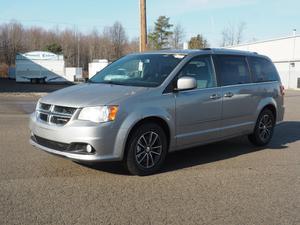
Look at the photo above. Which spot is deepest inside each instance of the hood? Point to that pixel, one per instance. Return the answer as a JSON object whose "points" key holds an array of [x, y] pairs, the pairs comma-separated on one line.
{"points": [[83, 95]]}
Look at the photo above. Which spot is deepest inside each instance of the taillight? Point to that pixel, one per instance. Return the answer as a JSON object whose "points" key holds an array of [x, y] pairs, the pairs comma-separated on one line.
{"points": [[282, 92]]}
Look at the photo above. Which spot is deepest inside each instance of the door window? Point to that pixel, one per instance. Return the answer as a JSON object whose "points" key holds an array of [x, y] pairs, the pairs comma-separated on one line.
{"points": [[201, 69], [232, 70]]}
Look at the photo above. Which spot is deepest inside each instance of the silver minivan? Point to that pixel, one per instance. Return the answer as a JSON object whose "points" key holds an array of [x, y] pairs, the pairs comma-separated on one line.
{"points": [[143, 106]]}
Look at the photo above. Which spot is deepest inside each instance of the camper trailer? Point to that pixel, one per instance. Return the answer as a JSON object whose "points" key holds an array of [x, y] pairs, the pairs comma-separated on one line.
{"points": [[40, 67]]}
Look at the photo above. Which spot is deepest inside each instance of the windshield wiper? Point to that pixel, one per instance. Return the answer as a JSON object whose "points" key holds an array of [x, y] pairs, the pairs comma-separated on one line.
{"points": [[109, 82]]}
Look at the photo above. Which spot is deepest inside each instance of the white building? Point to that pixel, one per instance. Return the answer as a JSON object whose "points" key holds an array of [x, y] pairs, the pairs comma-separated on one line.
{"points": [[285, 54], [96, 66], [40, 66]]}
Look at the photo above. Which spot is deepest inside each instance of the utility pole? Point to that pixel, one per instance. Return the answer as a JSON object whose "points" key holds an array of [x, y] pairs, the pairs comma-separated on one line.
{"points": [[143, 26], [78, 48]]}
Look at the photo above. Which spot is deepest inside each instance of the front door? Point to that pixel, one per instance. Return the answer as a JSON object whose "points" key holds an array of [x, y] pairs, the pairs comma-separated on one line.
{"points": [[198, 111]]}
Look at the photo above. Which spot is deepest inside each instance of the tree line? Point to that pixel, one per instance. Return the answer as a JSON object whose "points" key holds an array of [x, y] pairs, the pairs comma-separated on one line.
{"points": [[111, 43], [77, 48]]}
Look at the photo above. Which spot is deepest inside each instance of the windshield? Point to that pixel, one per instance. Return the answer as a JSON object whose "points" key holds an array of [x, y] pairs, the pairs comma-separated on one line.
{"points": [[146, 70]]}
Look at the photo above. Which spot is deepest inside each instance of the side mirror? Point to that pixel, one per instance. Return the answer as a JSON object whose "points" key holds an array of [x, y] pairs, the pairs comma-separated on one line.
{"points": [[186, 83]]}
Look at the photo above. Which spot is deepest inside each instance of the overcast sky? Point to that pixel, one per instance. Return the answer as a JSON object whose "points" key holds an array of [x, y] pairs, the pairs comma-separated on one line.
{"points": [[264, 18]]}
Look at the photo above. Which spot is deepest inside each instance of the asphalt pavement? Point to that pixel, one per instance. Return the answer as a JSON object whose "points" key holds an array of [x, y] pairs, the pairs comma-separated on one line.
{"points": [[229, 182]]}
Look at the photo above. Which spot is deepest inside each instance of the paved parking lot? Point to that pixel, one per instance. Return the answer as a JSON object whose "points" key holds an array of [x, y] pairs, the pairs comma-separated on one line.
{"points": [[229, 182]]}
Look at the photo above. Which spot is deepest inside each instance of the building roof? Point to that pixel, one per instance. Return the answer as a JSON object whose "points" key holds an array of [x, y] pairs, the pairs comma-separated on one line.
{"points": [[263, 41]]}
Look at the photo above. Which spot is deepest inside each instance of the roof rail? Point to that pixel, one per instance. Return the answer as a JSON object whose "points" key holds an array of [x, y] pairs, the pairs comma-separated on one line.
{"points": [[207, 49]]}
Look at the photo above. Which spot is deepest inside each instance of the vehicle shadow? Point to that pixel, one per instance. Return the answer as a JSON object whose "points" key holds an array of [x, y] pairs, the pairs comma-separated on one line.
{"points": [[11, 86], [285, 133]]}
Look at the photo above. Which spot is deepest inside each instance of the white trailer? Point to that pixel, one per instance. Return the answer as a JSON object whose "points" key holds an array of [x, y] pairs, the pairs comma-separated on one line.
{"points": [[97, 65], [73, 73], [40, 67]]}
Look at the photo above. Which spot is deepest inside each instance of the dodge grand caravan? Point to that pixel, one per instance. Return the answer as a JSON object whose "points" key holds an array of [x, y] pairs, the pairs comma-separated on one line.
{"points": [[143, 106]]}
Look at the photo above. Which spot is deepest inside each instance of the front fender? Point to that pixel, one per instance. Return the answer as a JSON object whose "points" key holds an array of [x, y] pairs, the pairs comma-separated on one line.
{"points": [[135, 117]]}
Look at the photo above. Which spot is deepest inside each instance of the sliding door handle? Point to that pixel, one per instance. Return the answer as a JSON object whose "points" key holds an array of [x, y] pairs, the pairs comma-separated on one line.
{"points": [[215, 96], [228, 95]]}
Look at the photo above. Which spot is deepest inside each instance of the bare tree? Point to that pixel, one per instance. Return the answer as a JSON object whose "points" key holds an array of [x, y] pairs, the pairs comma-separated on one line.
{"points": [[118, 39], [240, 31], [111, 43], [132, 46], [233, 34], [177, 37], [11, 36]]}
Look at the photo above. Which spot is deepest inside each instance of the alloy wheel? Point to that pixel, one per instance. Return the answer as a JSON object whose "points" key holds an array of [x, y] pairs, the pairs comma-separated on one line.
{"points": [[148, 150], [265, 127]]}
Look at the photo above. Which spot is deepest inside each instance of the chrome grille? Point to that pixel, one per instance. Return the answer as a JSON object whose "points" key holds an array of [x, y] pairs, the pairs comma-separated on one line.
{"points": [[45, 107], [54, 114]]}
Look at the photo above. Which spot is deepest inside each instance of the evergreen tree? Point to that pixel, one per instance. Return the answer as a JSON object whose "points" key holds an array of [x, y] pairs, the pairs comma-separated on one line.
{"points": [[159, 38], [54, 48]]}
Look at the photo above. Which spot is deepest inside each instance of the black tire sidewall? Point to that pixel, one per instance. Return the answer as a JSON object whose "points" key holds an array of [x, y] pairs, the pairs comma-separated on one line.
{"points": [[130, 160], [255, 136]]}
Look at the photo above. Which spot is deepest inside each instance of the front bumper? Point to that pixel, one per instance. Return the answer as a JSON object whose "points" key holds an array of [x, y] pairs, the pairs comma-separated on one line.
{"points": [[102, 138]]}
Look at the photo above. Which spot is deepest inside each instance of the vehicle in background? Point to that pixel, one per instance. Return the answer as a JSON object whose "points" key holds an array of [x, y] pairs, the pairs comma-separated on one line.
{"points": [[40, 67], [143, 106]]}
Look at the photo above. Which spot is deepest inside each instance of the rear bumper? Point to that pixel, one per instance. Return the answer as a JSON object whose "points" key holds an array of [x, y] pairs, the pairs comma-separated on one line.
{"points": [[102, 138]]}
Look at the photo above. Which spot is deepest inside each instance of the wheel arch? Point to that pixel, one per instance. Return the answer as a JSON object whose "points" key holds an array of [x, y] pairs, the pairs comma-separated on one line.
{"points": [[150, 119], [267, 103], [272, 108]]}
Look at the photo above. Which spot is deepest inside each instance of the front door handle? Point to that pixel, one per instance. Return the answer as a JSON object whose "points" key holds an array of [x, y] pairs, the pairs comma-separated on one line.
{"points": [[228, 95], [215, 96]]}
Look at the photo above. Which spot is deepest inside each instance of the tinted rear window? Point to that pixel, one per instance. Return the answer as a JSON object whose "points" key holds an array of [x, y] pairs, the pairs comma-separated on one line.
{"points": [[232, 70], [262, 70]]}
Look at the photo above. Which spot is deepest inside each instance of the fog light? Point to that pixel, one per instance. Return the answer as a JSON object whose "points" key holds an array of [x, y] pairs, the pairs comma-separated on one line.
{"points": [[89, 149]]}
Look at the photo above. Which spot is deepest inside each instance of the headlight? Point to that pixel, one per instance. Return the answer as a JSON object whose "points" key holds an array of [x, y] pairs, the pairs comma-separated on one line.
{"points": [[99, 114]]}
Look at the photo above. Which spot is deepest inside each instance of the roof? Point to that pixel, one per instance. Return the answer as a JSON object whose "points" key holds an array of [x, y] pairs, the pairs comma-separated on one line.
{"points": [[39, 55], [205, 50]]}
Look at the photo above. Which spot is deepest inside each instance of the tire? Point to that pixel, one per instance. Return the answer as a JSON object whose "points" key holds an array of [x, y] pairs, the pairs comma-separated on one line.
{"points": [[264, 129], [146, 149]]}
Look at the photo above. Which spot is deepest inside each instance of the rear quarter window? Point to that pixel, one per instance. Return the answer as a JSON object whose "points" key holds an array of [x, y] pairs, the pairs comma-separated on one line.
{"points": [[262, 70]]}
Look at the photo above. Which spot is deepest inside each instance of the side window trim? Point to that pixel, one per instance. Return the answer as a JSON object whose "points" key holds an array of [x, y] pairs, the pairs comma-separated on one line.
{"points": [[217, 77], [214, 70], [249, 70]]}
